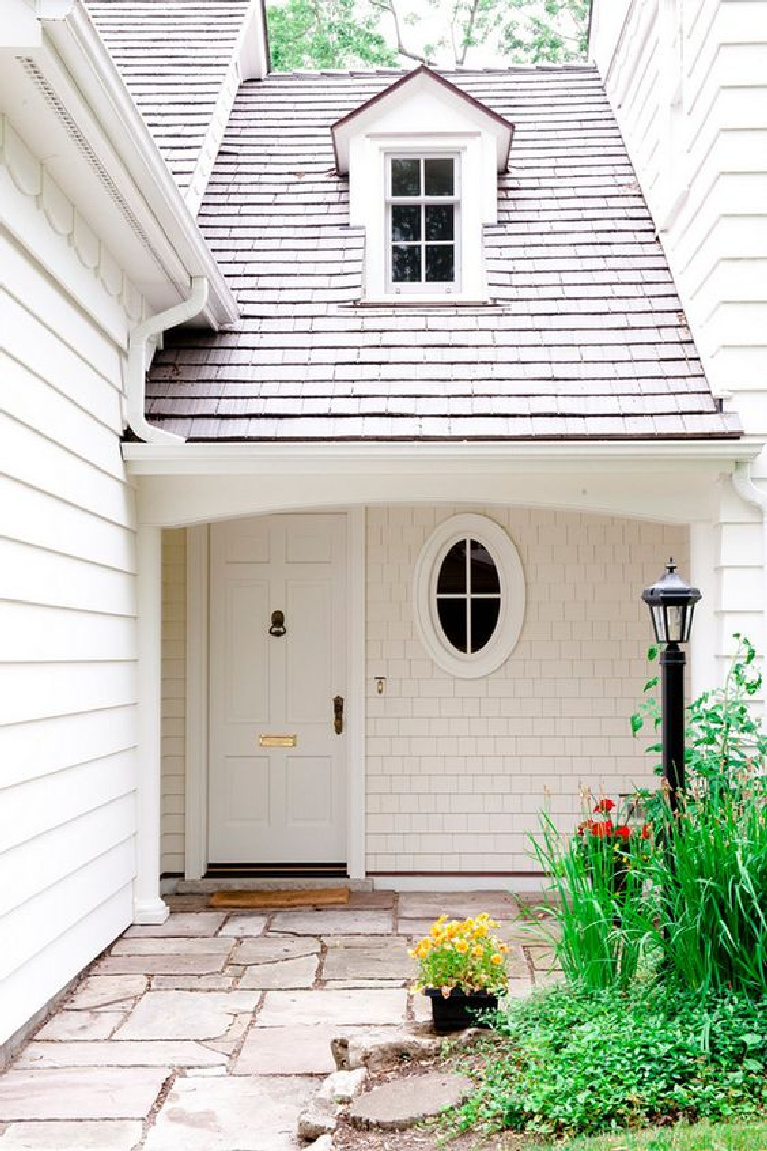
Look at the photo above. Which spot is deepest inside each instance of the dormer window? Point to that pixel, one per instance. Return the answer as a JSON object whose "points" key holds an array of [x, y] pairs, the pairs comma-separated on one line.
{"points": [[423, 160], [422, 222]]}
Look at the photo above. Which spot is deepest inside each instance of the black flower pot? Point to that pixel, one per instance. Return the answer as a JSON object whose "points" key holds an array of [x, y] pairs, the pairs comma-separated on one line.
{"points": [[459, 1010]]}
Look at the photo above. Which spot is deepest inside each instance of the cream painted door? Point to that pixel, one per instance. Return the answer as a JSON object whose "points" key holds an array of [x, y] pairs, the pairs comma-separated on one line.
{"points": [[277, 804]]}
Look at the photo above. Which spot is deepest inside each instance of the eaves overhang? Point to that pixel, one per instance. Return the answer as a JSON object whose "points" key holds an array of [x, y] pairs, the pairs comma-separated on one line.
{"points": [[74, 79], [415, 456]]}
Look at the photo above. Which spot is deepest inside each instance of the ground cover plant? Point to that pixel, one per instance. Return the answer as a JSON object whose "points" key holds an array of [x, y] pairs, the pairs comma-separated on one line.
{"points": [[661, 918], [582, 1062]]}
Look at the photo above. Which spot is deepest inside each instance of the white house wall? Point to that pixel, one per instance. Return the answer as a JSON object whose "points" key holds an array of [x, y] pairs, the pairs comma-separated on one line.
{"points": [[67, 613], [458, 769], [688, 82]]}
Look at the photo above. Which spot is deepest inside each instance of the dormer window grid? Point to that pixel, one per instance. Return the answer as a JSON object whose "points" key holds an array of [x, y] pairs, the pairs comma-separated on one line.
{"points": [[422, 222]]}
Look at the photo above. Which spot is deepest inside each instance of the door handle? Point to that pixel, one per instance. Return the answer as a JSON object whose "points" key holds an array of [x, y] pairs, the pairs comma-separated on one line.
{"points": [[338, 714]]}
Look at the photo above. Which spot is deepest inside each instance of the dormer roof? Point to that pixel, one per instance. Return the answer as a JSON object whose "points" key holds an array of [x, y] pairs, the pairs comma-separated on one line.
{"points": [[410, 96]]}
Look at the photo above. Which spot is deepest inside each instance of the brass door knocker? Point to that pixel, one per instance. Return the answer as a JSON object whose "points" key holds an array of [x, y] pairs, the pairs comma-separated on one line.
{"points": [[278, 624]]}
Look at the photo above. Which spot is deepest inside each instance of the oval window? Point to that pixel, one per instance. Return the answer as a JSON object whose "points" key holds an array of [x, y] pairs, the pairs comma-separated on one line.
{"points": [[469, 596]]}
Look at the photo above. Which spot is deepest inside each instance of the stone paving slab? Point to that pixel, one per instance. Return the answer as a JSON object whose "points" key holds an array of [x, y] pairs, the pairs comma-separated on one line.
{"points": [[106, 991], [118, 1135], [186, 1014], [124, 1053], [160, 964], [299, 1050], [457, 905], [271, 949], [179, 924], [192, 982], [80, 1093], [368, 963], [81, 1025], [332, 922], [208, 945], [291, 973], [243, 925], [233, 1114], [342, 1008]]}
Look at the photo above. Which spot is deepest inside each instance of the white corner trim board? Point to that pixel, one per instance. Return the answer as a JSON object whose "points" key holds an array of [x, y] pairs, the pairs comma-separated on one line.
{"points": [[511, 612]]}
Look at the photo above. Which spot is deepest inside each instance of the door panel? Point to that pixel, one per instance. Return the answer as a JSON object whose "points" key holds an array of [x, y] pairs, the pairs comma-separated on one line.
{"points": [[277, 804]]}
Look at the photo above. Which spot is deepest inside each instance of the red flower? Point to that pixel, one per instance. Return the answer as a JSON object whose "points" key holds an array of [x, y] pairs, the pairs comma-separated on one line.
{"points": [[623, 832], [604, 806], [645, 832], [602, 829]]}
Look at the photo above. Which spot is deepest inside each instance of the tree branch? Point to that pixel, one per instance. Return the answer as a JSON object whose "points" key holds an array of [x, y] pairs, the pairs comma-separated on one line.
{"points": [[389, 7]]}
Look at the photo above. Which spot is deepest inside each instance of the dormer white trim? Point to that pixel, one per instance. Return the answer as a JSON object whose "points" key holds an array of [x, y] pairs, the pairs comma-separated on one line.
{"points": [[423, 115]]}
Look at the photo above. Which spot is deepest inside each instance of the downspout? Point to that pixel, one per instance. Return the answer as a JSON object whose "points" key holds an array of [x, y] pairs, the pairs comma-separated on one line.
{"points": [[751, 494], [138, 345]]}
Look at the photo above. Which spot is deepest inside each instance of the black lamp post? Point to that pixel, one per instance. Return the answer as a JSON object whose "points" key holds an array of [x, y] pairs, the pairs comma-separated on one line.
{"points": [[672, 602]]}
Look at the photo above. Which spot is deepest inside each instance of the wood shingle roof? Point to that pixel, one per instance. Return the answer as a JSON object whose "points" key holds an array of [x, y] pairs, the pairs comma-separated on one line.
{"points": [[585, 338]]}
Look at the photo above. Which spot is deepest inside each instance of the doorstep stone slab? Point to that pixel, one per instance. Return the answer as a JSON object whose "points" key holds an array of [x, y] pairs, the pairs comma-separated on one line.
{"points": [[161, 964], [368, 963], [272, 949], [186, 1014], [118, 1135], [333, 922], [121, 1053], [244, 925], [105, 990], [341, 1008], [256, 1113], [180, 924], [80, 1093], [291, 973], [80, 1025], [292, 1050], [208, 945]]}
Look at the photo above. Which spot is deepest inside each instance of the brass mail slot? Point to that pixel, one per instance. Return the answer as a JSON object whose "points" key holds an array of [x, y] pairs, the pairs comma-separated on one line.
{"points": [[277, 740]]}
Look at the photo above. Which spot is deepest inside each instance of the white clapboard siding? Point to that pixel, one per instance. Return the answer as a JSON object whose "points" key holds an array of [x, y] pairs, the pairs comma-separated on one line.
{"points": [[27, 870], [36, 576], [68, 674], [34, 517], [42, 975], [35, 749]]}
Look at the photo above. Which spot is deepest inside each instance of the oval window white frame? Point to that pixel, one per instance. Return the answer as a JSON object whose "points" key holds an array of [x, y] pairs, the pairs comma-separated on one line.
{"points": [[512, 581]]}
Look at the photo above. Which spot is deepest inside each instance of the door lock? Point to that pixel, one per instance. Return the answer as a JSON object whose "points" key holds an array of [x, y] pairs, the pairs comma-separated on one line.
{"points": [[278, 624], [338, 714]]}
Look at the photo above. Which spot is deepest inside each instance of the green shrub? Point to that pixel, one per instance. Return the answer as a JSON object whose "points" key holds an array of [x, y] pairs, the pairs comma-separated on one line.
{"points": [[573, 1062]]}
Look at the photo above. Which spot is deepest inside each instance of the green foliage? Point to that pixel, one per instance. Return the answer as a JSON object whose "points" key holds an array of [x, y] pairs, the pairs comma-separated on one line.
{"points": [[573, 1062], [682, 1137], [325, 34], [553, 32], [600, 909]]}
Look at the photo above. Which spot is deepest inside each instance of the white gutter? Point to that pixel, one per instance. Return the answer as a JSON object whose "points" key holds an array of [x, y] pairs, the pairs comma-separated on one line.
{"points": [[138, 360], [751, 494]]}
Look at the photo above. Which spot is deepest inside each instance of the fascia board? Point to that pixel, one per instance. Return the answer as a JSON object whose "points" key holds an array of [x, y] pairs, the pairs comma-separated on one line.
{"points": [[362, 121], [598, 456], [115, 129]]}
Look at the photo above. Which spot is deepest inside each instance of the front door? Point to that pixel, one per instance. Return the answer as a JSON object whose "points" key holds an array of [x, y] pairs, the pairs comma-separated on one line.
{"points": [[277, 773]]}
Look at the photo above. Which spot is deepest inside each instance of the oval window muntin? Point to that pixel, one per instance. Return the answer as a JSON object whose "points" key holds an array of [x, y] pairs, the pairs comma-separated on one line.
{"points": [[512, 595]]}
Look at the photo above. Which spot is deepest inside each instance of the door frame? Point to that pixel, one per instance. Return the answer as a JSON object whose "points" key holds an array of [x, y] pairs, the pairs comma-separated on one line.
{"points": [[198, 687]]}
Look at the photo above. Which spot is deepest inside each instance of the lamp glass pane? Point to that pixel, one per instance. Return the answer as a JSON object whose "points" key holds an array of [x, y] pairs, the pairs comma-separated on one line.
{"points": [[659, 623]]}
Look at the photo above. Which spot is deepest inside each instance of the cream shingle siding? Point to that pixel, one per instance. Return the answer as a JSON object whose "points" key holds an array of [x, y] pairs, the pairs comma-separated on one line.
{"points": [[173, 698], [458, 769]]}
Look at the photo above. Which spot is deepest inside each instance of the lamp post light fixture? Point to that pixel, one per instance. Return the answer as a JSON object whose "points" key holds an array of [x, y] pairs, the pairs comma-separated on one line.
{"points": [[672, 602]]}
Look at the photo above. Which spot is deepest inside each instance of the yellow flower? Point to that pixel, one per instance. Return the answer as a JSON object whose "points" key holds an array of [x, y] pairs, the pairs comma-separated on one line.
{"points": [[496, 960], [480, 931], [462, 947], [477, 951], [504, 947]]}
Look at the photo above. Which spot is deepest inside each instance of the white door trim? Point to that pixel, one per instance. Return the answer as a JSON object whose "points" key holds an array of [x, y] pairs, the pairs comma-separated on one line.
{"points": [[197, 701]]}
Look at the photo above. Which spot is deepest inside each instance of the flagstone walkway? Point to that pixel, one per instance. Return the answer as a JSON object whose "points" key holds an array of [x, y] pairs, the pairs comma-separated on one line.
{"points": [[210, 1032]]}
